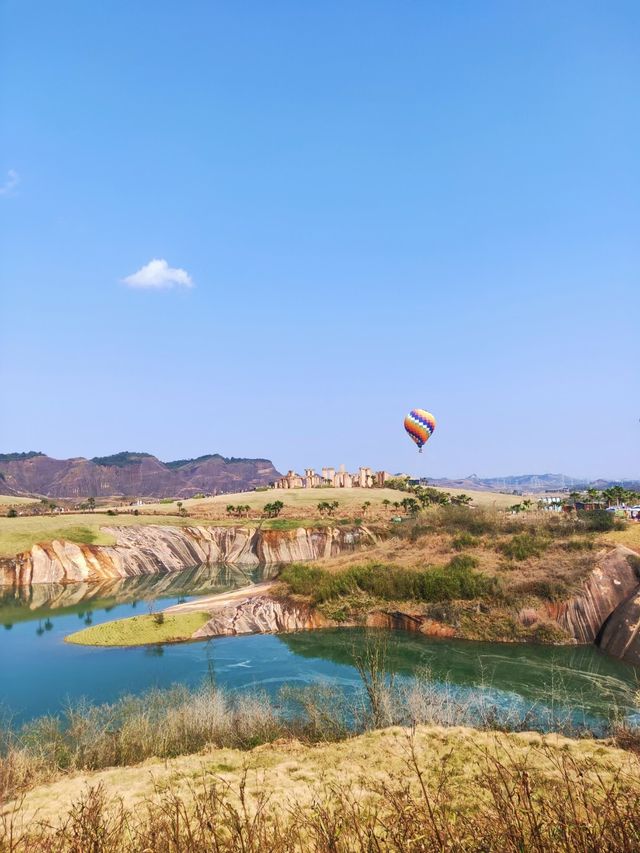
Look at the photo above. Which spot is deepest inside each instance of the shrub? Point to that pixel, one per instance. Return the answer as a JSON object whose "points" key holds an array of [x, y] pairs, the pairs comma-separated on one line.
{"points": [[302, 579], [523, 545], [551, 590], [456, 580], [452, 519], [578, 545], [634, 561], [599, 520], [464, 540]]}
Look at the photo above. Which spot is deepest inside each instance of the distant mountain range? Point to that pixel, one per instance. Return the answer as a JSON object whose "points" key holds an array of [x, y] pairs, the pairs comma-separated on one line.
{"points": [[129, 475], [141, 475], [531, 483]]}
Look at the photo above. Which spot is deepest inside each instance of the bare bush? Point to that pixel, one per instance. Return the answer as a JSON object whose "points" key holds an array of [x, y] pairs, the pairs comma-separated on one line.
{"points": [[545, 800]]}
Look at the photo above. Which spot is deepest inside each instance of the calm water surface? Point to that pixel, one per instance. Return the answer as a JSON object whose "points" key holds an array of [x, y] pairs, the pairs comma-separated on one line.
{"points": [[40, 674]]}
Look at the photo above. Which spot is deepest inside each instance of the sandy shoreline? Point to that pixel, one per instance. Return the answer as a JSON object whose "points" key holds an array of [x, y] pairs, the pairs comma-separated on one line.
{"points": [[220, 599]]}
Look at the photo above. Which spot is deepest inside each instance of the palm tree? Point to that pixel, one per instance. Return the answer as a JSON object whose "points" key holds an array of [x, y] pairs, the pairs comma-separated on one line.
{"points": [[619, 493], [460, 500], [410, 506]]}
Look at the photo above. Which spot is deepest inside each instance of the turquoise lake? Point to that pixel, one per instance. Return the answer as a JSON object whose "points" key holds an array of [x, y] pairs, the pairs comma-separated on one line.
{"points": [[40, 673]]}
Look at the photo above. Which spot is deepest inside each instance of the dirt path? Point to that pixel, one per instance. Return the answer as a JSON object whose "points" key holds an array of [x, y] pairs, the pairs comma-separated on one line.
{"points": [[213, 602]]}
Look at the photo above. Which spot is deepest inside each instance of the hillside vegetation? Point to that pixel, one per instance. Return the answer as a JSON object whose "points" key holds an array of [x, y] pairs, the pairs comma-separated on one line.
{"points": [[471, 570], [304, 502]]}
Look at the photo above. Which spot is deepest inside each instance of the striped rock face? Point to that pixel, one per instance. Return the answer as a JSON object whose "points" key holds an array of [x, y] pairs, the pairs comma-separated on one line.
{"points": [[612, 581], [156, 549], [620, 636]]}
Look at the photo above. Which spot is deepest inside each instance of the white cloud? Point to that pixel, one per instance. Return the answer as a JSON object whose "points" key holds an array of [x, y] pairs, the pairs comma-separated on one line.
{"points": [[157, 274], [12, 181]]}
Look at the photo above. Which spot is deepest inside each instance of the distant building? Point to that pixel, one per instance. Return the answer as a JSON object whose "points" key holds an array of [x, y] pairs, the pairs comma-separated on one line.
{"points": [[365, 478]]}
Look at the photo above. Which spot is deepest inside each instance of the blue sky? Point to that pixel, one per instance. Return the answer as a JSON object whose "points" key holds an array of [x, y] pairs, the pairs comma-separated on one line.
{"points": [[378, 205]]}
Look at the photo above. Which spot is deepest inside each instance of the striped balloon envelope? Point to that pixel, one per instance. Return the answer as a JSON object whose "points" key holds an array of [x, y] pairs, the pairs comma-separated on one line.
{"points": [[420, 426]]}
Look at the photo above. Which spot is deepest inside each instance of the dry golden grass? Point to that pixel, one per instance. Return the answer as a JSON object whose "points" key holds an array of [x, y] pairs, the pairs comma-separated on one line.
{"points": [[629, 537], [291, 771], [303, 503]]}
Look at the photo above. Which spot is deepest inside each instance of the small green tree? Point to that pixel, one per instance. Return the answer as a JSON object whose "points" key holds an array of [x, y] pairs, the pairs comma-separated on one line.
{"points": [[91, 503], [273, 510], [410, 506], [327, 507], [12, 513]]}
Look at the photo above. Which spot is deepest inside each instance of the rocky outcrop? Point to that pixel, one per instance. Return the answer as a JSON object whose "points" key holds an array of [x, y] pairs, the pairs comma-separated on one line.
{"points": [[399, 620], [613, 580], [152, 549], [266, 614], [261, 615], [610, 583], [620, 636]]}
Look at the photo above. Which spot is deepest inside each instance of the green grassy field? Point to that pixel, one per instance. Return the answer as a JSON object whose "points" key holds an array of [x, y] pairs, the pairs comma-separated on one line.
{"points": [[11, 500], [140, 630], [19, 534]]}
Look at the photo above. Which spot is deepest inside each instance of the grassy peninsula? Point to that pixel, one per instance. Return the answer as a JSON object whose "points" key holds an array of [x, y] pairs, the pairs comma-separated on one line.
{"points": [[148, 629]]}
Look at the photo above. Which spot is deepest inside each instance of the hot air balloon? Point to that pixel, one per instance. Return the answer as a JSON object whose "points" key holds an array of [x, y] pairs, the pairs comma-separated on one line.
{"points": [[420, 426]]}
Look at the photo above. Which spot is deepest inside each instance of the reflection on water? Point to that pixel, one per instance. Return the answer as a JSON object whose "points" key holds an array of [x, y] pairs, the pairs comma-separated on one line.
{"points": [[40, 673], [581, 676], [30, 603]]}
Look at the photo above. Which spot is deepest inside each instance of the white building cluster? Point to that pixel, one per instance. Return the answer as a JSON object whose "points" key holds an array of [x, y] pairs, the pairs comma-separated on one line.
{"points": [[365, 478]]}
